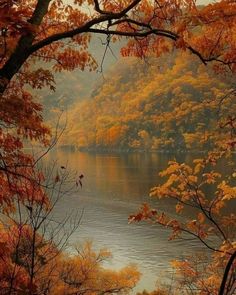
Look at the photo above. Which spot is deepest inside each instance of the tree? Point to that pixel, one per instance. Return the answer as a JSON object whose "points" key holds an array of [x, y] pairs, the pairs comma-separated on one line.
{"points": [[30, 236], [202, 189], [33, 241], [84, 274], [33, 29], [44, 30], [209, 195], [209, 223], [55, 32], [48, 31]]}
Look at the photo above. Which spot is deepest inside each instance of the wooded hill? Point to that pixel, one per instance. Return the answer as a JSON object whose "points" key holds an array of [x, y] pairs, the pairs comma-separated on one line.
{"points": [[164, 104]]}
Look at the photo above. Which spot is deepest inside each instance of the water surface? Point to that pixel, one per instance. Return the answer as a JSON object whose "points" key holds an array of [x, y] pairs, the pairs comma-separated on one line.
{"points": [[114, 186]]}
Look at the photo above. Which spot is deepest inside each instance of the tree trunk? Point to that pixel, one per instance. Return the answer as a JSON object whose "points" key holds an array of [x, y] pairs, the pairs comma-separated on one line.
{"points": [[21, 52]]}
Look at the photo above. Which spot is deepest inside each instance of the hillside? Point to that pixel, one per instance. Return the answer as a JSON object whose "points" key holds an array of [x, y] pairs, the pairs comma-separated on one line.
{"points": [[157, 104], [72, 86]]}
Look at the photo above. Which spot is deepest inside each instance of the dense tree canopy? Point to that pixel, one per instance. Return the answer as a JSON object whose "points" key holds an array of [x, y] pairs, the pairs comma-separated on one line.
{"points": [[34, 30], [137, 107], [34, 33]]}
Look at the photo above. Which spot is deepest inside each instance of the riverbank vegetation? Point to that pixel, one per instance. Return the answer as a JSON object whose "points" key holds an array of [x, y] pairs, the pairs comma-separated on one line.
{"points": [[169, 103]]}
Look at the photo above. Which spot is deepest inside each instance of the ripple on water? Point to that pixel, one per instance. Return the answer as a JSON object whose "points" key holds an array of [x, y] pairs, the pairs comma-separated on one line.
{"points": [[114, 188]]}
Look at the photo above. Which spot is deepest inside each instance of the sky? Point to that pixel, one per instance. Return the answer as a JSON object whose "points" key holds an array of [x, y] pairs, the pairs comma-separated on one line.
{"points": [[205, 2]]}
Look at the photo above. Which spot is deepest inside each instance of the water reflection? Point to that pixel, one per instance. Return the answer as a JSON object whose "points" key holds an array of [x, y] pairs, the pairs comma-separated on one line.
{"points": [[113, 188]]}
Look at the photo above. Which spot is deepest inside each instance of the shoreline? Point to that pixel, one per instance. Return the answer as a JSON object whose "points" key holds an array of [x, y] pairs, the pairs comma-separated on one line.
{"points": [[127, 151]]}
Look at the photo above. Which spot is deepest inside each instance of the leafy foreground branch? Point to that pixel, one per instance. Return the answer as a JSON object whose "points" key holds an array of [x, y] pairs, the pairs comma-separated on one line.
{"points": [[212, 222], [33, 259]]}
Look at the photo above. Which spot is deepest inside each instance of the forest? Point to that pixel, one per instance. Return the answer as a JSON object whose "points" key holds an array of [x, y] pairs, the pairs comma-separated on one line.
{"points": [[172, 90], [151, 106]]}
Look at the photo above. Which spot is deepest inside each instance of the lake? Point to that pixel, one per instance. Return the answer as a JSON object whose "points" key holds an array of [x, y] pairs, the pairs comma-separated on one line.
{"points": [[114, 186]]}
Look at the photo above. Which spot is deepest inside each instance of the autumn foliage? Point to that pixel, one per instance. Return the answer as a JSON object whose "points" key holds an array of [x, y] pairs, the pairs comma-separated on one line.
{"points": [[41, 37], [153, 106]]}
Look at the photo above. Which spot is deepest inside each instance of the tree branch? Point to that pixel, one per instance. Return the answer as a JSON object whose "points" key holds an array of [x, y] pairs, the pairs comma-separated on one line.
{"points": [[226, 273], [39, 12]]}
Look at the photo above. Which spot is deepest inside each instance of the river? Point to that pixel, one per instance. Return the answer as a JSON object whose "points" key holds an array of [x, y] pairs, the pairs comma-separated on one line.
{"points": [[114, 186]]}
